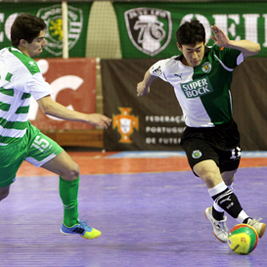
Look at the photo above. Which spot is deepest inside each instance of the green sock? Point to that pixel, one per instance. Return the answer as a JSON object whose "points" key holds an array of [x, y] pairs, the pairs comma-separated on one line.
{"points": [[68, 191]]}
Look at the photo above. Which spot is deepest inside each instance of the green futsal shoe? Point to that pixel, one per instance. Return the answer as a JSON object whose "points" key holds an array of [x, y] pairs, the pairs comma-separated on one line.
{"points": [[82, 229]]}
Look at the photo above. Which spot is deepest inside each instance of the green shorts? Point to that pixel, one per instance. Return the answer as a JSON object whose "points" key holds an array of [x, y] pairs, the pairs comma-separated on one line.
{"points": [[34, 147]]}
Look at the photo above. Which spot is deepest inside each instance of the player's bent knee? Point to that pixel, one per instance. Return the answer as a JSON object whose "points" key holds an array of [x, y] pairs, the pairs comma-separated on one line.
{"points": [[208, 176], [207, 170], [205, 173], [71, 173], [75, 172]]}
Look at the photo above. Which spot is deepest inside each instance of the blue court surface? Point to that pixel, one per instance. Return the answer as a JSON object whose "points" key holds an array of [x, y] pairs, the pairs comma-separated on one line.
{"points": [[146, 220]]}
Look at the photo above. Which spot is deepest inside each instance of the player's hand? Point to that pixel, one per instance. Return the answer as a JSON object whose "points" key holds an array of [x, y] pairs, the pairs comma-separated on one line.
{"points": [[220, 38], [142, 89], [99, 120]]}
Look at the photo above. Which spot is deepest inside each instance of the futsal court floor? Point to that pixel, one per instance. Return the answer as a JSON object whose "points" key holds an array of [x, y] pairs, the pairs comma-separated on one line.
{"points": [[148, 206]]}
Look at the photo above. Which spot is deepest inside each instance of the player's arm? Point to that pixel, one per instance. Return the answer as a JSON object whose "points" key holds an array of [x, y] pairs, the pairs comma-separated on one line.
{"points": [[248, 48], [143, 87], [50, 107]]}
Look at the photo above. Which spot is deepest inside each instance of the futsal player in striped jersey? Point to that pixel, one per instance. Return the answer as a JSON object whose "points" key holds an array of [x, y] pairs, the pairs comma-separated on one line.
{"points": [[20, 78], [201, 77]]}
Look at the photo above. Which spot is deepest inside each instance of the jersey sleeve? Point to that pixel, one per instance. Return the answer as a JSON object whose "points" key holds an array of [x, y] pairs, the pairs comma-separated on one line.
{"points": [[38, 87], [158, 69], [230, 57]]}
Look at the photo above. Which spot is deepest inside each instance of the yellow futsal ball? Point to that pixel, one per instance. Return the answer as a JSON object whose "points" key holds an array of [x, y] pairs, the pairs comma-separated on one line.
{"points": [[242, 239]]}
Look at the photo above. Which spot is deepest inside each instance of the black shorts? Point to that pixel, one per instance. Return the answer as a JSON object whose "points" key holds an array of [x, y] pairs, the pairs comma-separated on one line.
{"points": [[220, 143]]}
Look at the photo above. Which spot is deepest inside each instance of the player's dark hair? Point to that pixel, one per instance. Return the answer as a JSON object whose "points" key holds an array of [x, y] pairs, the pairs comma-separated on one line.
{"points": [[26, 26], [190, 33]]}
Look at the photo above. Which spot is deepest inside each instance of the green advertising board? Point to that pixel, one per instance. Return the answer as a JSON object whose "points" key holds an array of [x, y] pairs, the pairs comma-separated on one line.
{"points": [[148, 30], [51, 13]]}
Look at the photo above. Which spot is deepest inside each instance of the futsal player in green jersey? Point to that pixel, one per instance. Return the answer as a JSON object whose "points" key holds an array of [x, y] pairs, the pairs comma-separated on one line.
{"points": [[21, 78], [201, 77]]}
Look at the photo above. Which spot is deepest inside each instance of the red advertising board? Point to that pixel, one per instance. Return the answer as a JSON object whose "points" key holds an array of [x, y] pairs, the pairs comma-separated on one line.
{"points": [[74, 84]]}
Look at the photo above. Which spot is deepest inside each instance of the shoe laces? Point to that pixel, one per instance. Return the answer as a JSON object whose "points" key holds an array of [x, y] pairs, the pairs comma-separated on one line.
{"points": [[84, 225], [222, 225], [253, 222]]}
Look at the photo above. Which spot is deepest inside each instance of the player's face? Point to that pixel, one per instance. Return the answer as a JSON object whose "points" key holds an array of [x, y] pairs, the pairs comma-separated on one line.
{"points": [[35, 48], [193, 54]]}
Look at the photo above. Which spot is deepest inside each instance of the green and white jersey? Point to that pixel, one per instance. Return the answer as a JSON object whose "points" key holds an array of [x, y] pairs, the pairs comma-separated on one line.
{"points": [[203, 91], [20, 78]]}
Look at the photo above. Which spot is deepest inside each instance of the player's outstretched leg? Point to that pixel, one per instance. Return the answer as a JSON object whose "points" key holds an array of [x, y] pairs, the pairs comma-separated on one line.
{"points": [[82, 229], [220, 229]]}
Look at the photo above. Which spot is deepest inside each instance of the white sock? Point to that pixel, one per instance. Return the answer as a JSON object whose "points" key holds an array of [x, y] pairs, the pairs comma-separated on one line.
{"points": [[242, 216], [215, 191], [217, 207], [231, 186]]}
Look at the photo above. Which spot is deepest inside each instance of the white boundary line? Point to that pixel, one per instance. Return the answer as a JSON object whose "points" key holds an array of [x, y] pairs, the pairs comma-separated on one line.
{"points": [[167, 154]]}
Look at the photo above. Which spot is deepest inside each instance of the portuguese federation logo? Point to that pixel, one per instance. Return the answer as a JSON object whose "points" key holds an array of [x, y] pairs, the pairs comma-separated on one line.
{"points": [[149, 29], [54, 35], [125, 123]]}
